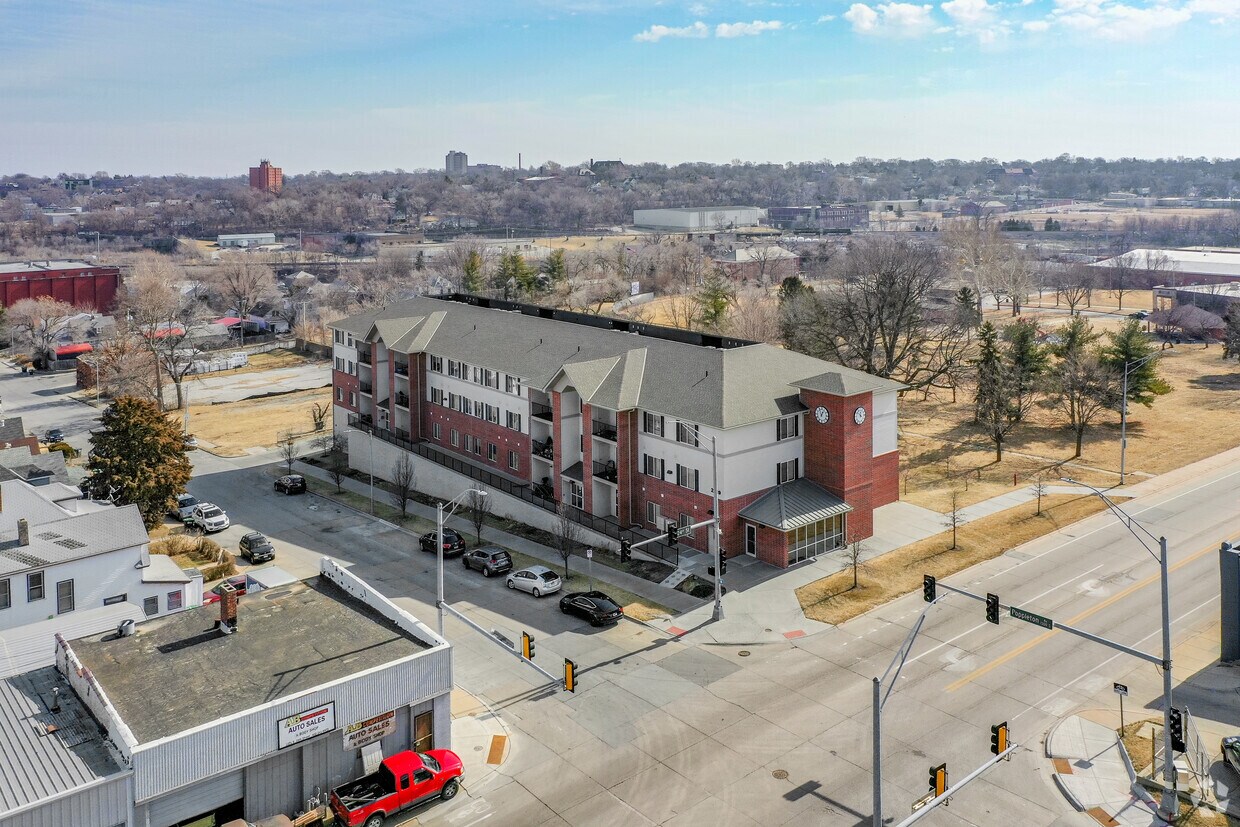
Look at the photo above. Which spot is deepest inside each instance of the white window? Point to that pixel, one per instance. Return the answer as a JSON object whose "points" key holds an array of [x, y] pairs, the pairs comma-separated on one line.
{"points": [[512, 384], [687, 433], [653, 466], [174, 601], [454, 368], [652, 423], [436, 363], [514, 461], [452, 401], [492, 452], [64, 597], [34, 587], [437, 396], [787, 471], [435, 432], [492, 414], [687, 477], [6, 594], [340, 364], [477, 446], [339, 394], [151, 606], [467, 406], [338, 337], [350, 368], [653, 515], [513, 420], [685, 521], [349, 340], [352, 399], [576, 494], [788, 427], [456, 438]]}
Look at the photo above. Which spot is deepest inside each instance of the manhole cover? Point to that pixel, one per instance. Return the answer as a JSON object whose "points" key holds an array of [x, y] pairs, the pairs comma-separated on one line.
{"points": [[478, 749], [780, 774], [766, 630], [744, 653]]}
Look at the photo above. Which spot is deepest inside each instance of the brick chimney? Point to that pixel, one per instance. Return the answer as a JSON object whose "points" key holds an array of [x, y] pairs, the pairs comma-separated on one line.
{"points": [[23, 532], [228, 609]]}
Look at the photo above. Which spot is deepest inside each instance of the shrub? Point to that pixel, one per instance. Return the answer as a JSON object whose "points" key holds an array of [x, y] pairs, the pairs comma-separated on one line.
{"points": [[197, 549], [65, 448], [219, 571]]}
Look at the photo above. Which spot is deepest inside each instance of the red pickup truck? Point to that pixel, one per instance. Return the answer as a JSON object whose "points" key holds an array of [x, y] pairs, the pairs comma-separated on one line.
{"points": [[402, 780]]}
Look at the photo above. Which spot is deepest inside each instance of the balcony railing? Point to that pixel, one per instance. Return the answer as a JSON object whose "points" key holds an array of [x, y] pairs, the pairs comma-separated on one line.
{"points": [[367, 388], [402, 369], [540, 411], [546, 449], [363, 356], [402, 399], [604, 430], [606, 471]]}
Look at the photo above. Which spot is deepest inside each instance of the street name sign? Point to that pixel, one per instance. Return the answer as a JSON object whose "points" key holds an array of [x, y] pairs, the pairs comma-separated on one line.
{"points": [[1120, 689], [1030, 617]]}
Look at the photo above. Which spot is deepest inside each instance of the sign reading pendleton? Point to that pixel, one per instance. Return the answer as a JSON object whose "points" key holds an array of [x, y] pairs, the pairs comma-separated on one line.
{"points": [[1030, 617]]}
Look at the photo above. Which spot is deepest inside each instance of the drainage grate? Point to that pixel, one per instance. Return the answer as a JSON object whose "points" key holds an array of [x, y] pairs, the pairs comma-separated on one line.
{"points": [[780, 774]]}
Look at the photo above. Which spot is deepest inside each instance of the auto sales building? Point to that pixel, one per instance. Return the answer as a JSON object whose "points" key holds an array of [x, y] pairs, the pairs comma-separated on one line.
{"points": [[182, 721]]}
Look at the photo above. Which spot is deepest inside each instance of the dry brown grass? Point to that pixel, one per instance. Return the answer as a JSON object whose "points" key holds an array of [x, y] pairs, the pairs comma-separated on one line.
{"points": [[233, 427], [1136, 738], [941, 449], [834, 600], [586, 243]]}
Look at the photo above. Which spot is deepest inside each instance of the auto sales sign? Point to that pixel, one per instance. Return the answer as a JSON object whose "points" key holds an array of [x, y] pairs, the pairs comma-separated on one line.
{"points": [[367, 732], [305, 725]]}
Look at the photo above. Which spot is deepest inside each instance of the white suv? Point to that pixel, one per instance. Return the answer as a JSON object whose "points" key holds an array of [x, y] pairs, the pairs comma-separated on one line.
{"points": [[184, 507], [209, 517]]}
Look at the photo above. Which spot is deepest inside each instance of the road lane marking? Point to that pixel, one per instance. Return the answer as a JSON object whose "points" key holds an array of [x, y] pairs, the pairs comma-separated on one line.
{"points": [[1072, 621], [952, 640]]}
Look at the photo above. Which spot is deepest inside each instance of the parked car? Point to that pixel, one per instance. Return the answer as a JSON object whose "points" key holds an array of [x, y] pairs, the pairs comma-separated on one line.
{"points": [[54, 435], [291, 484], [537, 580], [237, 581], [403, 780], [209, 517], [184, 507], [489, 560], [1231, 752], [256, 548], [1140, 314], [453, 542], [595, 607], [191, 442]]}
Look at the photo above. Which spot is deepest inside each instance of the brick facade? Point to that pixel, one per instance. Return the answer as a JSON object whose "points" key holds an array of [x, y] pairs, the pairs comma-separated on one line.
{"points": [[839, 455], [505, 440], [886, 478], [348, 389], [632, 508]]}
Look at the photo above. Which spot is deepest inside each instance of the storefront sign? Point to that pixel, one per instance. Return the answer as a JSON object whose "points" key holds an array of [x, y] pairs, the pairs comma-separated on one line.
{"points": [[306, 725], [361, 733]]}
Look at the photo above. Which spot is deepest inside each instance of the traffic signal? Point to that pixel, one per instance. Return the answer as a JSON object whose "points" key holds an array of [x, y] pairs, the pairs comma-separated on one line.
{"points": [[626, 550], [938, 780], [723, 563], [527, 646], [570, 675], [999, 738], [927, 587], [1177, 731], [673, 532], [992, 608]]}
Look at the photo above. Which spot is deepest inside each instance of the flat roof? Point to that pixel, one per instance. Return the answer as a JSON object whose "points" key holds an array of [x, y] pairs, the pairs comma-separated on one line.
{"points": [[44, 266], [43, 752], [696, 209], [1214, 261], [178, 672]]}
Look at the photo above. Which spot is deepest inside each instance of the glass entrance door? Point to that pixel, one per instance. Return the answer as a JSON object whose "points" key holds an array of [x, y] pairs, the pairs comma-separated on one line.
{"points": [[751, 539]]}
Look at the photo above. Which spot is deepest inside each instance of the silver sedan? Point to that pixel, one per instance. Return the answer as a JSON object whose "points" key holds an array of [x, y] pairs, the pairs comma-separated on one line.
{"points": [[537, 580]]}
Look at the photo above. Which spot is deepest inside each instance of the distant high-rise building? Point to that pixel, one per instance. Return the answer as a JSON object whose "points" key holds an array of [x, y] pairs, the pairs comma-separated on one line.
{"points": [[456, 163], [267, 178]]}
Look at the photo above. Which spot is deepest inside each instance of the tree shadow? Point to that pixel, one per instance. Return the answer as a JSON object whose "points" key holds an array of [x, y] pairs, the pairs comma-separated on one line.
{"points": [[1218, 381]]}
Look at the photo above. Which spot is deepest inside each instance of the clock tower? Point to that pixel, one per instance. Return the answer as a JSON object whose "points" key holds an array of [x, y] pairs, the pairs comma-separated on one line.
{"points": [[839, 450]]}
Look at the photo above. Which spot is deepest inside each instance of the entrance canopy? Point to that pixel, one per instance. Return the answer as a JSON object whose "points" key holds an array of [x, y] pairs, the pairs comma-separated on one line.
{"points": [[793, 505]]}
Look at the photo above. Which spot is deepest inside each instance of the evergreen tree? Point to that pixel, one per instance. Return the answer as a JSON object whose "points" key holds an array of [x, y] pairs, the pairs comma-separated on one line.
{"points": [[138, 456], [1124, 349], [714, 298], [994, 404], [1027, 362], [1231, 337], [419, 261], [793, 287], [965, 311], [1074, 339], [555, 267], [471, 277]]}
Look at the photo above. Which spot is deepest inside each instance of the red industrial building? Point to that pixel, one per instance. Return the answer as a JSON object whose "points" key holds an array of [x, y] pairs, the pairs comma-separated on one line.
{"points": [[82, 284], [267, 178]]}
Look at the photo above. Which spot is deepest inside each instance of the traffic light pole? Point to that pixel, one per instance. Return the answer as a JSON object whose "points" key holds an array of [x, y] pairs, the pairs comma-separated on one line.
{"points": [[716, 547], [929, 806]]}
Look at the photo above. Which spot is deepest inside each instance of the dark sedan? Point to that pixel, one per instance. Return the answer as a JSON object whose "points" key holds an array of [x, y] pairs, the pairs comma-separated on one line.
{"points": [[291, 484], [453, 542], [595, 607]]}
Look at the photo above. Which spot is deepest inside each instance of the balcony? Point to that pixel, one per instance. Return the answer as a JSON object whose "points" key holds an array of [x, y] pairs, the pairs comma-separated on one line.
{"points": [[367, 388], [540, 411], [363, 357], [603, 430], [606, 471], [402, 399], [402, 368], [546, 449]]}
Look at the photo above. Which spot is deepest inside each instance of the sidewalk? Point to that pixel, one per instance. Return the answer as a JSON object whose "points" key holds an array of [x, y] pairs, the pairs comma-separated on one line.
{"points": [[1093, 771], [678, 602]]}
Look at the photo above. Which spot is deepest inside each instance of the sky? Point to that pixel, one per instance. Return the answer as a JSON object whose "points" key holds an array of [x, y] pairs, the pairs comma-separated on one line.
{"points": [[208, 88]]}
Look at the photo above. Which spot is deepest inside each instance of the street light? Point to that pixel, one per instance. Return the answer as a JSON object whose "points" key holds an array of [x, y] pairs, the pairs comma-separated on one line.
{"points": [[439, 518], [1169, 804], [1123, 412], [370, 444]]}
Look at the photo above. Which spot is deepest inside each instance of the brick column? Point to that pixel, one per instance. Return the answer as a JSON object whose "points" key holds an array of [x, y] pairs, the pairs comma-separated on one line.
{"points": [[839, 455], [587, 457], [557, 463], [631, 508]]}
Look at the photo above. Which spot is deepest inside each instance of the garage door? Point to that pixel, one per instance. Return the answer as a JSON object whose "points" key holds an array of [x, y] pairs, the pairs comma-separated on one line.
{"points": [[203, 797]]}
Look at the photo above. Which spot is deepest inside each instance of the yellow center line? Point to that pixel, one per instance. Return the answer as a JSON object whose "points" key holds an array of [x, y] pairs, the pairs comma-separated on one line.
{"points": [[1072, 621]]}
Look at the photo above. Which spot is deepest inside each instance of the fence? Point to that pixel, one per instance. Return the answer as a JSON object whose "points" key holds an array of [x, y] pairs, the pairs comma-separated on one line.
{"points": [[1194, 761], [522, 491]]}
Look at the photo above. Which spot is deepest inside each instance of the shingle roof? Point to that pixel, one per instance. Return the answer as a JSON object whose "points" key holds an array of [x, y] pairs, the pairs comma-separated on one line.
{"points": [[73, 537], [36, 765], [12, 428], [793, 505], [714, 386]]}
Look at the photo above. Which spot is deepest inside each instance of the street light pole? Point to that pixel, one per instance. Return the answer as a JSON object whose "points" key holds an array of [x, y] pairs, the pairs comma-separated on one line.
{"points": [[370, 446], [439, 520], [1123, 413], [716, 546]]}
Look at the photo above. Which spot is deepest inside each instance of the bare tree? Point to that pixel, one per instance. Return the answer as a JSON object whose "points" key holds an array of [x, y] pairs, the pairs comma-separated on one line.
{"points": [[853, 550], [755, 317], [38, 323], [159, 312], [479, 504], [1120, 271], [288, 451], [1039, 489], [123, 365], [318, 415], [954, 518], [1075, 285], [337, 462], [682, 310], [242, 284], [567, 533], [403, 482]]}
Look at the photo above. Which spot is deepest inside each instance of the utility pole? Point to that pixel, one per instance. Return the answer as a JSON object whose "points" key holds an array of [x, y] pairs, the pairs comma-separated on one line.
{"points": [[1123, 412], [716, 547]]}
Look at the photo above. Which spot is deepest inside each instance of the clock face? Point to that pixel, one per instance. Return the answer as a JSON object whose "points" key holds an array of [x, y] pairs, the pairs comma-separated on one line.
{"points": [[822, 414], [859, 415]]}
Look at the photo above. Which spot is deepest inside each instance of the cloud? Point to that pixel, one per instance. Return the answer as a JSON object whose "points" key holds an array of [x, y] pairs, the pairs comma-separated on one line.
{"points": [[656, 33], [1118, 21], [699, 10], [826, 18], [1221, 9], [890, 19], [977, 18], [743, 29], [1036, 26]]}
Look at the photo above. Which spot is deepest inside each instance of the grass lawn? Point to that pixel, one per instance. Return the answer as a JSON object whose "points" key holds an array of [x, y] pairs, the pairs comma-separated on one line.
{"points": [[234, 427], [834, 600]]}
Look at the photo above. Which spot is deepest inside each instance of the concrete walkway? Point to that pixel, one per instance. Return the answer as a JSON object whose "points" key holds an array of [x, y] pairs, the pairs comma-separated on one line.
{"points": [[1093, 771], [678, 602]]}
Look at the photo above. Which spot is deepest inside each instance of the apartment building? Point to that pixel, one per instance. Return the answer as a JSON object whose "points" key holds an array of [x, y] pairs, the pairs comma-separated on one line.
{"points": [[632, 423]]}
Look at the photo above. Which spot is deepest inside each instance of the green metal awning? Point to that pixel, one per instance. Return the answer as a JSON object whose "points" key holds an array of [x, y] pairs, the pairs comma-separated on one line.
{"points": [[794, 504]]}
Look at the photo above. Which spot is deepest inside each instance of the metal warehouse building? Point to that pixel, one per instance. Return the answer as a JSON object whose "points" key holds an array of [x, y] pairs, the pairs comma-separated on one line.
{"points": [[183, 720], [699, 218]]}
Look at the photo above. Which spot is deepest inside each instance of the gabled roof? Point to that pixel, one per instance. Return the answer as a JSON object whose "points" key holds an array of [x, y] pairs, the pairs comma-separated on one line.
{"points": [[794, 504], [847, 384], [72, 537]]}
